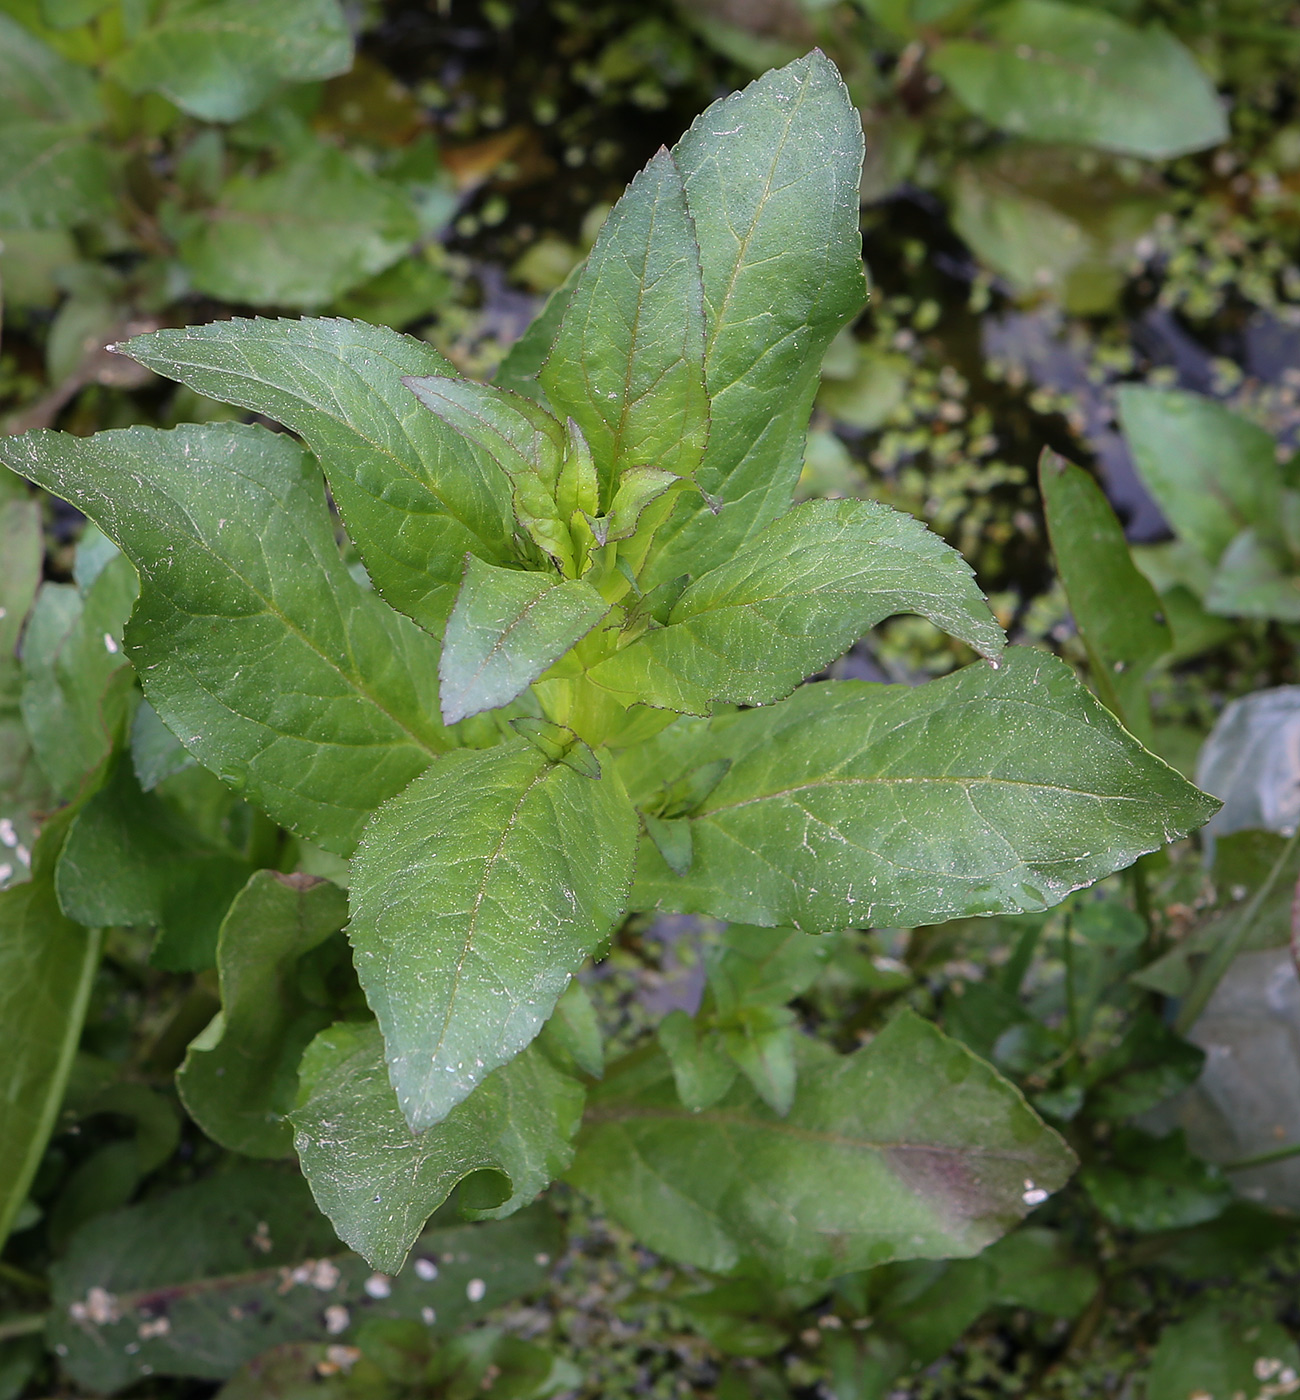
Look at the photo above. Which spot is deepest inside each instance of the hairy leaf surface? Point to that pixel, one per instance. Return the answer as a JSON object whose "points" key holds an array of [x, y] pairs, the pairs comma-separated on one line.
{"points": [[240, 1076], [507, 627], [910, 1148], [379, 1182], [415, 497], [771, 177], [476, 894], [628, 359], [988, 791], [798, 596], [256, 647]]}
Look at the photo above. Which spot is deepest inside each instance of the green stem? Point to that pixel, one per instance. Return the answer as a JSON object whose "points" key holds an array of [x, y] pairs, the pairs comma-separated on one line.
{"points": [[1217, 963], [1071, 1011], [22, 1326], [20, 1278], [1278, 1154]]}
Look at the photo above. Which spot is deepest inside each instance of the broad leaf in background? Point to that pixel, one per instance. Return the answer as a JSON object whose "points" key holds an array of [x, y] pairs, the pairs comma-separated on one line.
{"points": [[76, 677], [508, 627], [1060, 72], [232, 1265], [414, 496], [1255, 578], [988, 791], [1212, 473], [300, 235], [47, 965], [628, 358], [130, 859], [240, 1076], [219, 59], [259, 651], [805, 589], [771, 177], [484, 885], [53, 174], [1221, 1350], [1116, 610], [378, 1182], [909, 1148]]}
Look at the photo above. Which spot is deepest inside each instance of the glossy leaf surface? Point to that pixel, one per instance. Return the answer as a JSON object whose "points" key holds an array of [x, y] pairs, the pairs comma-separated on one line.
{"points": [[988, 791], [415, 499], [628, 358], [378, 1182], [771, 176], [240, 1077], [794, 599], [476, 894], [507, 627], [255, 645], [1060, 72], [910, 1148]]}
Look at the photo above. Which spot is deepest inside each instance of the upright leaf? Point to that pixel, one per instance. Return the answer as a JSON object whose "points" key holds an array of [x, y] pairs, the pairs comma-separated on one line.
{"points": [[771, 177], [1116, 610], [988, 791], [476, 894], [47, 964], [414, 497], [130, 859], [256, 647], [1212, 473], [240, 1076], [806, 588], [1061, 72], [378, 1182], [299, 235], [21, 549], [53, 174], [910, 1148], [219, 59], [507, 627], [628, 357], [76, 677]]}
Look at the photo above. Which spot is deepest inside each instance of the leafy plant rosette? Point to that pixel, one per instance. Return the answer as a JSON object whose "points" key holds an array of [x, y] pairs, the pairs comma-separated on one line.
{"points": [[568, 687]]}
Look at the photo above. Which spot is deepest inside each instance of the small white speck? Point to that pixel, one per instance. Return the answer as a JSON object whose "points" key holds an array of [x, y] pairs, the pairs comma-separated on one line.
{"points": [[426, 1269], [7, 833], [1033, 1195], [378, 1286], [429, 1316], [337, 1319], [475, 1289], [110, 646], [23, 854], [157, 1327], [541, 1260]]}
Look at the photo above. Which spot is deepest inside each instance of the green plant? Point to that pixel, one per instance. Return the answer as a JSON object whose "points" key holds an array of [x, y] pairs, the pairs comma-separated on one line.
{"points": [[565, 686]]}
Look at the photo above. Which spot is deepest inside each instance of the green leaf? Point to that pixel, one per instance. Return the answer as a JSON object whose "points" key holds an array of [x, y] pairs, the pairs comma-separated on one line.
{"points": [[220, 59], [628, 357], [1152, 1183], [415, 499], [1255, 579], [258, 650], [240, 1076], [771, 177], [53, 174], [518, 370], [76, 677], [1116, 610], [909, 1148], [702, 1070], [765, 966], [573, 1032], [379, 1182], [22, 549], [638, 487], [988, 791], [300, 235], [476, 894], [797, 597], [47, 965], [156, 753], [522, 438], [506, 629], [1061, 72], [129, 859], [1215, 1353], [1212, 473], [1035, 1270], [242, 1261]]}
